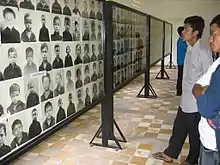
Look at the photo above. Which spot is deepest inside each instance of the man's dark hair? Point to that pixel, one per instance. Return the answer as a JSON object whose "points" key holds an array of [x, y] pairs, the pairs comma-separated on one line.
{"points": [[216, 20], [179, 30], [8, 10], [16, 122], [197, 23], [48, 104]]}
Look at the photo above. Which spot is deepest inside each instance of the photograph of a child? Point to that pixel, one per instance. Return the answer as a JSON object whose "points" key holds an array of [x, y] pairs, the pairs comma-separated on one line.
{"points": [[4, 148], [45, 28], [58, 59], [79, 82], [80, 99], [71, 109], [43, 5], [56, 7], [86, 74], [46, 87], [28, 4], [95, 96], [87, 94], [86, 57], [60, 111], [57, 29], [76, 10], [68, 58], [58, 79], [69, 79], [45, 59], [78, 53], [86, 34], [76, 25], [48, 114], [66, 8], [67, 33]]}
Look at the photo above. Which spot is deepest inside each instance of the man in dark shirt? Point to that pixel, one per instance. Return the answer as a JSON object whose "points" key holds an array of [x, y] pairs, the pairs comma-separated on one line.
{"points": [[61, 112], [50, 120], [59, 90], [28, 35], [9, 34], [43, 6], [33, 98], [76, 8], [58, 62], [76, 32], [20, 136], [56, 25], [69, 81], [56, 8], [68, 58], [100, 55], [48, 94], [12, 3], [87, 98], [4, 149], [92, 12], [27, 4], [87, 74], [66, 9], [93, 31], [44, 33], [12, 70], [99, 13], [93, 57], [80, 104], [94, 75], [16, 105], [78, 59], [71, 107], [86, 31], [67, 36], [35, 127], [78, 77], [45, 65], [95, 95], [86, 57]]}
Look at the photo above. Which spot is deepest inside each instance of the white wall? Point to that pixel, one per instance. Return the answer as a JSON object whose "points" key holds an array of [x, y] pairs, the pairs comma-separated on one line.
{"points": [[174, 11]]}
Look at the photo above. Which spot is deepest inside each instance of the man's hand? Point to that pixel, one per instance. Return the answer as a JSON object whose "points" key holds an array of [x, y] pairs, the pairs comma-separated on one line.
{"points": [[204, 89], [199, 90]]}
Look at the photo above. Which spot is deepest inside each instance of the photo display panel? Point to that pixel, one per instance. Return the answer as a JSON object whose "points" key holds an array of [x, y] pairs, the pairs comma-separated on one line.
{"points": [[156, 40], [168, 38], [129, 45], [52, 65]]}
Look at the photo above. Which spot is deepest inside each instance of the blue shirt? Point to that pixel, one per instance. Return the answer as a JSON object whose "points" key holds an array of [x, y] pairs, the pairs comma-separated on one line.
{"points": [[181, 51]]}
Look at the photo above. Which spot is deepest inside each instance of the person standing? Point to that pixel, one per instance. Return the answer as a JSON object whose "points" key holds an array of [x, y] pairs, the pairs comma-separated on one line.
{"points": [[206, 91], [198, 59], [181, 53]]}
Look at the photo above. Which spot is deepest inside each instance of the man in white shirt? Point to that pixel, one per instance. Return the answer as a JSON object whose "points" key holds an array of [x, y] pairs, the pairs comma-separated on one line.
{"points": [[207, 93], [196, 63]]}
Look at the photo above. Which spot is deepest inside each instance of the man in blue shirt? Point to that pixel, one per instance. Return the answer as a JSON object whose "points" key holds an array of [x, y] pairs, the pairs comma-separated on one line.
{"points": [[181, 53]]}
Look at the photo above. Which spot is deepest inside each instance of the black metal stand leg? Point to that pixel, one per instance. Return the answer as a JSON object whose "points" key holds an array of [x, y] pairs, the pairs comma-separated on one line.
{"points": [[171, 65], [154, 95], [152, 91], [161, 73], [96, 134], [139, 94], [121, 134]]}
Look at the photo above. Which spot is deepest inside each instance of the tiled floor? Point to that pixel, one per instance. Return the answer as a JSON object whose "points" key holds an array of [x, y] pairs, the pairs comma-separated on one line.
{"points": [[146, 123]]}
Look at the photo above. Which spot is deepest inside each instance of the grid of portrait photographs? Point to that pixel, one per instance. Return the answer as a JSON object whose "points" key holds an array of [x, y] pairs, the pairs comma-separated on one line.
{"points": [[52, 65], [129, 45]]}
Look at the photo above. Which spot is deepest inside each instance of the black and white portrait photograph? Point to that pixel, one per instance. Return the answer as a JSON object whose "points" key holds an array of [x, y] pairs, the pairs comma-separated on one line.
{"points": [[95, 94], [93, 30], [122, 61], [122, 75], [71, 107], [43, 5], [78, 54], [100, 52], [79, 82], [57, 28], [11, 26], [31, 59], [94, 74], [76, 29], [86, 74], [85, 9], [27, 4], [67, 33], [99, 32], [56, 6], [76, 7], [57, 55], [19, 126], [114, 14], [28, 32], [58, 79], [87, 94], [99, 10], [69, 79], [118, 61], [35, 127], [46, 86], [68, 52], [59, 108], [14, 61], [101, 88], [48, 114], [114, 64], [118, 77], [45, 27], [5, 139], [80, 99], [31, 87], [92, 13], [86, 29], [100, 69], [44, 51], [86, 55], [67, 7]]}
